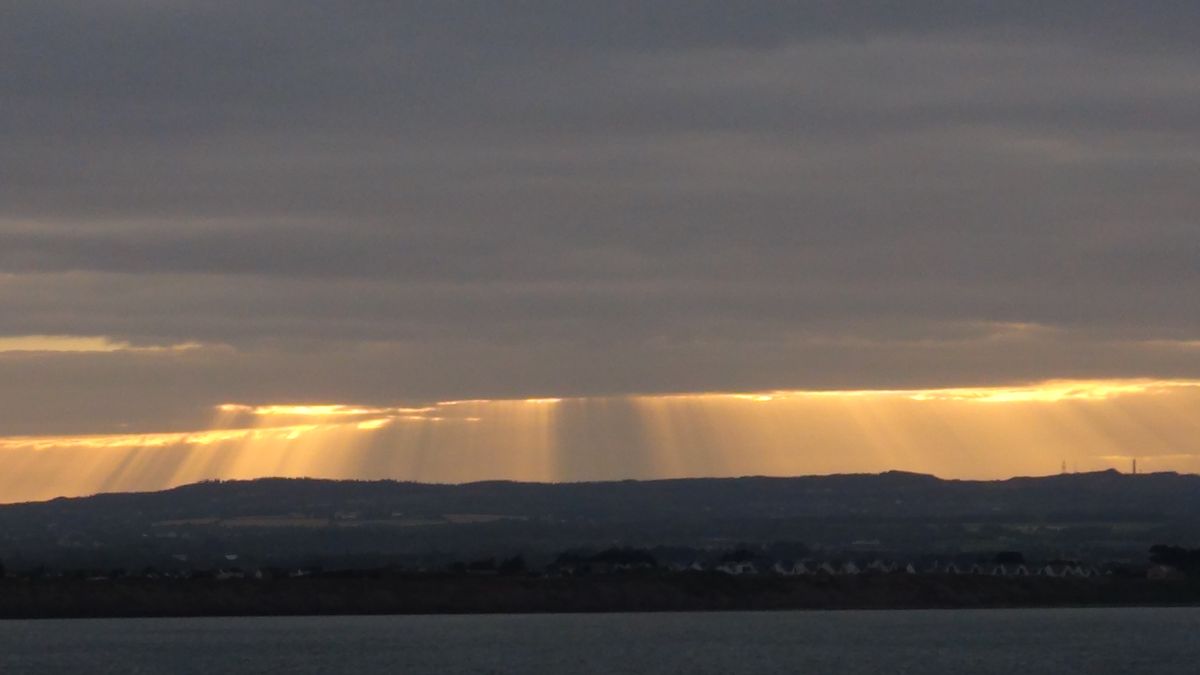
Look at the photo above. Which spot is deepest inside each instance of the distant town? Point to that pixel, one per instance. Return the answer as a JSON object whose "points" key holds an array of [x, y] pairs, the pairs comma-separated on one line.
{"points": [[887, 540]]}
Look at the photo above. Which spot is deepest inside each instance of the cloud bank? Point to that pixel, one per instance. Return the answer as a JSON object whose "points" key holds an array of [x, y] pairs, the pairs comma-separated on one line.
{"points": [[394, 203]]}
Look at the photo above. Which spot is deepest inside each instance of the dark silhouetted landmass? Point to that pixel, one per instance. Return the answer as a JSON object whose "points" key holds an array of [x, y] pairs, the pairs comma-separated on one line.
{"points": [[376, 593], [290, 546], [1094, 516]]}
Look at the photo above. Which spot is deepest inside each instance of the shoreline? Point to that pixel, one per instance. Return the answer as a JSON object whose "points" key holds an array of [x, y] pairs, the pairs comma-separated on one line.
{"points": [[808, 610], [440, 594]]}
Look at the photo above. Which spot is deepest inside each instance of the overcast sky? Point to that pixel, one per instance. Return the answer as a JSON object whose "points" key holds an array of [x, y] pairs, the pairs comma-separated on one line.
{"points": [[380, 202]]}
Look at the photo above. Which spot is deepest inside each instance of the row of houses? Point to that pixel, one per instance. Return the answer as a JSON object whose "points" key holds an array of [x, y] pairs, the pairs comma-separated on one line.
{"points": [[851, 568]]}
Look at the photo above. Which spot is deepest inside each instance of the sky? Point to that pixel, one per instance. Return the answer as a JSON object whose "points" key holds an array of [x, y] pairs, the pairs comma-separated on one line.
{"points": [[212, 207]]}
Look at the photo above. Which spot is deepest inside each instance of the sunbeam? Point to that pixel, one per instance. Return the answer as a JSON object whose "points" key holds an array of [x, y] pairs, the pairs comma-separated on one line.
{"points": [[976, 433]]}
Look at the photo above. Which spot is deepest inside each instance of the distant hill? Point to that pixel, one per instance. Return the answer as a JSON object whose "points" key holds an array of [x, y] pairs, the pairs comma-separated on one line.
{"points": [[890, 494], [1105, 512]]}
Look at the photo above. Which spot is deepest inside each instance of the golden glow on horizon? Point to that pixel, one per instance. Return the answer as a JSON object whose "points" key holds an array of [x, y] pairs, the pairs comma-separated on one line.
{"points": [[325, 410], [163, 440], [82, 343], [1049, 391], [980, 432], [59, 343]]}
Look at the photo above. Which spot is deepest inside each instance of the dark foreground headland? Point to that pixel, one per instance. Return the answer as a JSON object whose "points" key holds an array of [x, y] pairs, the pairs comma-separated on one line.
{"points": [[383, 593]]}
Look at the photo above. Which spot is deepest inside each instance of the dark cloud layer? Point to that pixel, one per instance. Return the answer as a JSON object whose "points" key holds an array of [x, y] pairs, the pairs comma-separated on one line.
{"points": [[399, 201]]}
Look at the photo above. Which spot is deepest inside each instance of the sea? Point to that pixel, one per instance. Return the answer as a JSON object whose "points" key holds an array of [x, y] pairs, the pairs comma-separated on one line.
{"points": [[1024, 641]]}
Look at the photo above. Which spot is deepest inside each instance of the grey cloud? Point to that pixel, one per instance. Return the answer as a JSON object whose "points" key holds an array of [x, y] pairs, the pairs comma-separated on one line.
{"points": [[142, 392], [531, 198]]}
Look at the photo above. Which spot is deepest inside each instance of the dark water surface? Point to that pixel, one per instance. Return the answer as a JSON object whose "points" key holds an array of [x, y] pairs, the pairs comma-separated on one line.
{"points": [[1060, 641]]}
